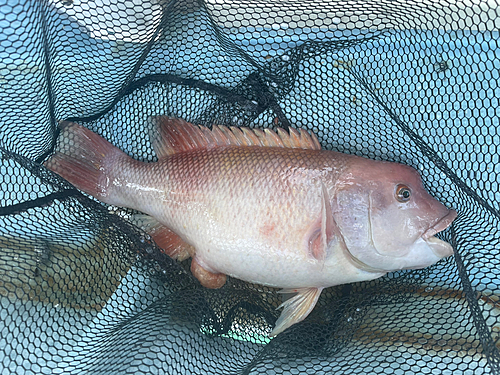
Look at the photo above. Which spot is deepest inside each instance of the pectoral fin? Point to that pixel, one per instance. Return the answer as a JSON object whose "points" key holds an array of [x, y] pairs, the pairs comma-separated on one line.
{"points": [[325, 230], [297, 308], [166, 239]]}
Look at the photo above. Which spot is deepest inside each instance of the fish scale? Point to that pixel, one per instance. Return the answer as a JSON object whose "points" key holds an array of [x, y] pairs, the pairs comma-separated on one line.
{"points": [[225, 191]]}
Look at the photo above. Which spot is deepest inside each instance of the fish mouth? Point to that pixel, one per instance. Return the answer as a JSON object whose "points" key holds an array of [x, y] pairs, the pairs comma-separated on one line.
{"points": [[441, 225], [440, 248]]}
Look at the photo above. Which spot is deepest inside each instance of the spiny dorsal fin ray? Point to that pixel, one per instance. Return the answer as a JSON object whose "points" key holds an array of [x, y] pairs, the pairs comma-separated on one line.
{"points": [[175, 135]]}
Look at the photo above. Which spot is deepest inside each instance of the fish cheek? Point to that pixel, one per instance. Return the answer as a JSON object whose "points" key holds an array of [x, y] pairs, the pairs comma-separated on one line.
{"points": [[350, 211], [394, 226], [367, 234]]}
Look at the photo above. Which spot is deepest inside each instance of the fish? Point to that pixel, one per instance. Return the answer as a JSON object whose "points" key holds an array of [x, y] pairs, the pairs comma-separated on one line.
{"points": [[267, 207]]}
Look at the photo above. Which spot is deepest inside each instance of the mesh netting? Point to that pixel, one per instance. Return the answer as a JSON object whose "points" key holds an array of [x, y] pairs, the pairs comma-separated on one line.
{"points": [[82, 290]]}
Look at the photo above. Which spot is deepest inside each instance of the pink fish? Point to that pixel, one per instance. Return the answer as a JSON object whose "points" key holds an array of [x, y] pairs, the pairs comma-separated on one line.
{"points": [[266, 207]]}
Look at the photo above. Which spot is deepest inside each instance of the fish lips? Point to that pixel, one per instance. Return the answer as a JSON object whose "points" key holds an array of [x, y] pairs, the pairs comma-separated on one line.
{"points": [[440, 248]]}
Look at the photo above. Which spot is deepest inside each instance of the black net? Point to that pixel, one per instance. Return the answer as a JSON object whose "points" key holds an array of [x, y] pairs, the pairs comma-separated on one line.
{"points": [[82, 290]]}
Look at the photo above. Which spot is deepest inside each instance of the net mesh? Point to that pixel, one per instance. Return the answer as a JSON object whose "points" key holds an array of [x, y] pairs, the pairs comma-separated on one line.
{"points": [[84, 291]]}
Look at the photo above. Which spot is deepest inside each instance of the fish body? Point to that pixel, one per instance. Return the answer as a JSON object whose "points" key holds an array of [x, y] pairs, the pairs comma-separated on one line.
{"points": [[268, 208]]}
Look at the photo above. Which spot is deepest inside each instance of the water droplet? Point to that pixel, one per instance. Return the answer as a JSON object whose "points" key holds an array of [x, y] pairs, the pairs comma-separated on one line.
{"points": [[285, 58], [429, 289], [349, 320], [358, 309]]}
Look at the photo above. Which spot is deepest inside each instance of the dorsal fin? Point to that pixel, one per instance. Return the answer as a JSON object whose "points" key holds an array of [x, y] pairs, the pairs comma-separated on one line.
{"points": [[175, 135]]}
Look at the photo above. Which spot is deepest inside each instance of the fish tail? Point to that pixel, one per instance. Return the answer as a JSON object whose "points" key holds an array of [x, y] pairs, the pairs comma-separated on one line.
{"points": [[87, 161]]}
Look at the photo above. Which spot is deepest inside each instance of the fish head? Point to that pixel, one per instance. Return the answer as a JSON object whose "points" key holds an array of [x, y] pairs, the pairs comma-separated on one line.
{"points": [[388, 220]]}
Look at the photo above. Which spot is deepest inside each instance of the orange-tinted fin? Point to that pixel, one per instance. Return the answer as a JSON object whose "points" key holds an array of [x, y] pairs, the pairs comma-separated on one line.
{"points": [[296, 308], [166, 239], [86, 160], [175, 135], [325, 230], [207, 278]]}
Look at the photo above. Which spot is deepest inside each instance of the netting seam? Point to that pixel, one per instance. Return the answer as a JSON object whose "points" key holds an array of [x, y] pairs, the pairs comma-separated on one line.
{"points": [[127, 82], [48, 69], [265, 99], [38, 202], [481, 327], [52, 147], [226, 42], [228, 95]]}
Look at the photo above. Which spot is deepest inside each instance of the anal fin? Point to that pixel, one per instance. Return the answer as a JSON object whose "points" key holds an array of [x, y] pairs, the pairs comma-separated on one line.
{"points": [[297, 308], [169, 241]]}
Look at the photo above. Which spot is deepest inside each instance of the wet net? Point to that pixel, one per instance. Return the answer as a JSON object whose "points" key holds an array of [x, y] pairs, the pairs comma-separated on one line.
{"points": [[83, 291]]}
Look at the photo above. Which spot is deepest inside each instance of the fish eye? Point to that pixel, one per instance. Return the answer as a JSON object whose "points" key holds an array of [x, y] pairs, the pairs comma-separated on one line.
{"points": [[403, 193]]}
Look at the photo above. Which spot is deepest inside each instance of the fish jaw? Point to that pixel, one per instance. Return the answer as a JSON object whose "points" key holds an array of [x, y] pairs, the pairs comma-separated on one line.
{"points": [[440, 248], [441, 225], [428, 249]]}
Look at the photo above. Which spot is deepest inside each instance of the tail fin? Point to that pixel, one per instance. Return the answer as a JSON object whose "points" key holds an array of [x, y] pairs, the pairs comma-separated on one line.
{"points": [[86, 160]]}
